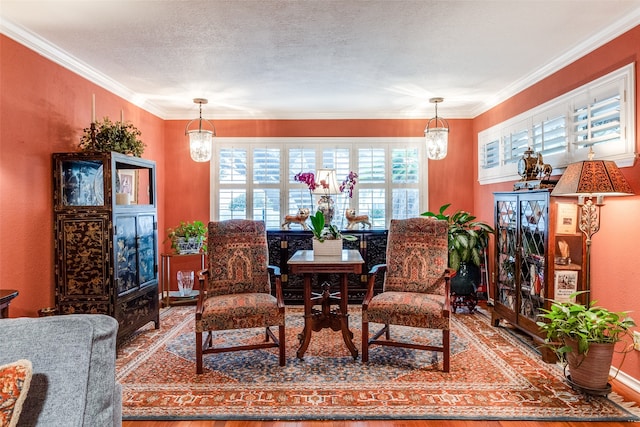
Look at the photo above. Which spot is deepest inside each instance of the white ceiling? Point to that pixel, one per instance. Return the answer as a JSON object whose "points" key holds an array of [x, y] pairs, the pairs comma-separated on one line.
{"points": [[315, 58]]}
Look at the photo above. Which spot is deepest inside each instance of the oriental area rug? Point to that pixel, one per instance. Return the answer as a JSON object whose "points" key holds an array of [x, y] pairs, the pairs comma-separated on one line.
{"points": [[494, 375]]}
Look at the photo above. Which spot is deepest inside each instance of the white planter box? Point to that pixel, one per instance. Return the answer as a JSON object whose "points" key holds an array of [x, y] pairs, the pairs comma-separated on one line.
{"points": [[328, 247]]}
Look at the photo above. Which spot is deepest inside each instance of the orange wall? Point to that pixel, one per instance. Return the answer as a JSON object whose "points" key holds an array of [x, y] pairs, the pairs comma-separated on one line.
{"points": [[43, 109], [188, 188], [615, 252]]}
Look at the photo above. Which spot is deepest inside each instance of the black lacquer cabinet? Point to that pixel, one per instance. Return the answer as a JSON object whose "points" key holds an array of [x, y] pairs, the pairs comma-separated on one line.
{"points": [[106, 237]]}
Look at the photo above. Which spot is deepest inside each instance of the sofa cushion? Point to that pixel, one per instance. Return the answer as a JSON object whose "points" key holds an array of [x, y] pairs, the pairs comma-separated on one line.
{"points": [[15, 379], [73, 359]]}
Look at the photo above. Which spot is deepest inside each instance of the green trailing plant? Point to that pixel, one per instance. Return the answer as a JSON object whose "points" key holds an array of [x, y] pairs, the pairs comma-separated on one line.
{"points": [[113, 136], [467, 237], [322, 233], [586, 324], [195, 229]]}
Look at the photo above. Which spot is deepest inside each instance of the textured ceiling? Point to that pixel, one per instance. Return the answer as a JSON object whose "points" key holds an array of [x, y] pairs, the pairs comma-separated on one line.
{"points": [[316, 58]]}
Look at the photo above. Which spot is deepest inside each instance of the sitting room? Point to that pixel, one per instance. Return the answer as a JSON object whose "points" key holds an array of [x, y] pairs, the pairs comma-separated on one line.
{"points": [[190, 164]]}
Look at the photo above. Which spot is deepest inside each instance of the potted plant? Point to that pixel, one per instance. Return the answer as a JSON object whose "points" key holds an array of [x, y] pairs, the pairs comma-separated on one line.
{"points": [[327, 240], [188, 237], [121, 137], [584, 338], [468, 239]]}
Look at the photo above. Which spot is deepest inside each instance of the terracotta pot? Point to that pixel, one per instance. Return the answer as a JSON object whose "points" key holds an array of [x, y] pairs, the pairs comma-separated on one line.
{"points": [[590, 371]]}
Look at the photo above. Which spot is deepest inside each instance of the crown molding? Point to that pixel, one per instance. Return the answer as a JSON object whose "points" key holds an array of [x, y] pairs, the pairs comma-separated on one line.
{"points": [[587, 46], [62, 58], [55, 54]]}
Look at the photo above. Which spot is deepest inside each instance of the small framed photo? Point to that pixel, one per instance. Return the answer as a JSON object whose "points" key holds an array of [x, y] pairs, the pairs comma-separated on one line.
{"points": [[567, 218], [565, 283], [128, 179]]}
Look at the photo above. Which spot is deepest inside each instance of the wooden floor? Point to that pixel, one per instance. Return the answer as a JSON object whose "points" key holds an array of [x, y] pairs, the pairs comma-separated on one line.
{"points": [[618, 388]]}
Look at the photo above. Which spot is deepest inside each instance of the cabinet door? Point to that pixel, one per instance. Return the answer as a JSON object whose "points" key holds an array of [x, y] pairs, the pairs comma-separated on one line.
{"points": [[147, 248], [507, 240], [79, 181], [83, 263], [126, 253], [534, 220]]}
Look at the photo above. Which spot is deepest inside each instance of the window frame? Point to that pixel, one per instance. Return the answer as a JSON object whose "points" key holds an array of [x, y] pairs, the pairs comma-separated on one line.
{"points": [[621, 150], [317, 143]]}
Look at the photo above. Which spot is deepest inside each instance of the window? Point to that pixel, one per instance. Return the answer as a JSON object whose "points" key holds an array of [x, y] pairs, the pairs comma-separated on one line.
{"points": [[391, 179], [598, 114]]}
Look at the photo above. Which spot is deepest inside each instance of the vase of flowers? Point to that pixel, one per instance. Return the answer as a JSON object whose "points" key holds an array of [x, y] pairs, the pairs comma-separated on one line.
{"points": [[327, 186]]}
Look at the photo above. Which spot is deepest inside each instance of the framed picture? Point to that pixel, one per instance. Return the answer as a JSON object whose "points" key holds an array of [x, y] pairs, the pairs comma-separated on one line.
{"points": [[565, 283], [567, 218], [129, 184]]}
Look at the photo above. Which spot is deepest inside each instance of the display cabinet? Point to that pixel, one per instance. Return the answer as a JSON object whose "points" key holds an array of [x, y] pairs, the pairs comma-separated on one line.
{"points": [[539, 255], [105, 234]]}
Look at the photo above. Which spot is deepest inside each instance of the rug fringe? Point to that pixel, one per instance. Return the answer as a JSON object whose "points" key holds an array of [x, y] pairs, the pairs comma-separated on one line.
{"points": [[630, 406]]}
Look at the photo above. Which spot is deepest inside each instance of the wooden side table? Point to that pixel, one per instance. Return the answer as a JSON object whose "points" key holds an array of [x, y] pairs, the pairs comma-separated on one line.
{"points": [[169, 298], [6, 295], [304, 262]]}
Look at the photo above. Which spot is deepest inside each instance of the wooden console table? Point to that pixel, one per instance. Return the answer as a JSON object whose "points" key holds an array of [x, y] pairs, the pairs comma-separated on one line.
{"points": [[304, 262], [6, 295]]}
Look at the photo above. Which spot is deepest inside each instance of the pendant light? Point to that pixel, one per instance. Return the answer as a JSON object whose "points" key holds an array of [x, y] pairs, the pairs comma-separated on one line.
{"points": [[200, 140], [436, 135]]}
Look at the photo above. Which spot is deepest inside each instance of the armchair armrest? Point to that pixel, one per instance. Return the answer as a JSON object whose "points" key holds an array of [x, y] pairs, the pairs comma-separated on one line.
{"points": [[203, 277], [275, 270], [448, 274], [373, 274]]}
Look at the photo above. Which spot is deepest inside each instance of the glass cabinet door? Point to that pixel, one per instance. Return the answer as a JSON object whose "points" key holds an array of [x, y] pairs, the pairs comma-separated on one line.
{"points": [[506, 237], [534, 213], [82, 182]]}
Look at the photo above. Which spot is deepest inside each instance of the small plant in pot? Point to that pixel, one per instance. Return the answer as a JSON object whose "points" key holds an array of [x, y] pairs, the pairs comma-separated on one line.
{"points": [[468, 239], [188, 237], [584, 339], [323, 237]]}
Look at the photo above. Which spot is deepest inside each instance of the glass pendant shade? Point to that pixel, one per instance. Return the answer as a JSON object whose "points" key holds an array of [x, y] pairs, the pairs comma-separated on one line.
{"points": [[200, 145], [436, 140], [200, 140], [436, 135]]}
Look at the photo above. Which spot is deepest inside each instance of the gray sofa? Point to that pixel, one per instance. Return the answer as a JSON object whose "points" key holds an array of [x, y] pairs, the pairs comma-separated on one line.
{"points": [[73, 359]]}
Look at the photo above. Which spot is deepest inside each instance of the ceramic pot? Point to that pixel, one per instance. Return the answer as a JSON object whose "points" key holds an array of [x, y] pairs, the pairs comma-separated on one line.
{"points": [[466, 280], [327, 247], [590, 371]]}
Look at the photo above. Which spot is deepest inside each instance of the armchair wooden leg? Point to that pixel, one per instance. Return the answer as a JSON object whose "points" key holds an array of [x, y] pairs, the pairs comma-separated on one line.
{"points": [[446, 353], [365, 341], [199, 352]]}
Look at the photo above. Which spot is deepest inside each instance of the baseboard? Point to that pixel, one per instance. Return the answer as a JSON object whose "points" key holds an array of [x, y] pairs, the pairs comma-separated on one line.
{"points": [[625, 379]]}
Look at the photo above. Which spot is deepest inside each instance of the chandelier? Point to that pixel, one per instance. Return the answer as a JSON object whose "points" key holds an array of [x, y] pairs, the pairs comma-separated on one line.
{"points": [[436, 134], [200, 140]]}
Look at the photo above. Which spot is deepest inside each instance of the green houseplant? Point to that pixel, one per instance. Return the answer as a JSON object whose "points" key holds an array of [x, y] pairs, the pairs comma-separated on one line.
{"points": [[188, 237], [121, 137], [467, 237], [584, 338], [322, 233]]}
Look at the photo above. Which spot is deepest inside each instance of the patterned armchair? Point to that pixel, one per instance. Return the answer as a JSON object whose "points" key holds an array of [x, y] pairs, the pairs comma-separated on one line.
{"points": [[416, 285], [236, 290]]}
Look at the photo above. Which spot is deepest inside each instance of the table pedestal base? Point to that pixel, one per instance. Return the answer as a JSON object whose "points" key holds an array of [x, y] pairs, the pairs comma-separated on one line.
{"points": [[316, 320]]}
